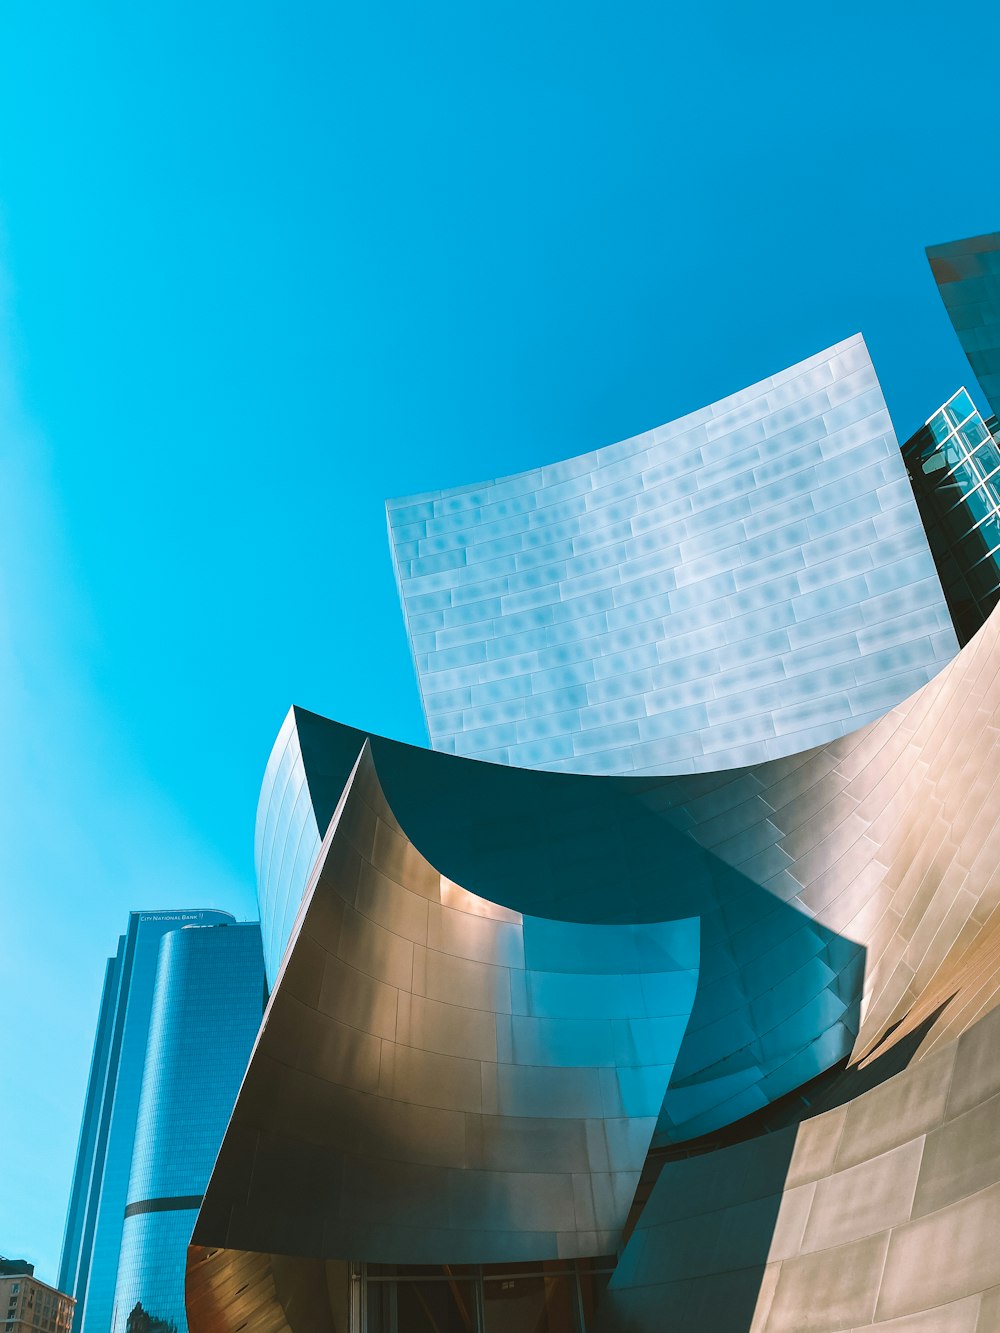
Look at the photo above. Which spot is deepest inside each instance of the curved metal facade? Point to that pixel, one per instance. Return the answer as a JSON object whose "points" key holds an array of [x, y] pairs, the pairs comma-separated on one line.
{"points": [[286, 843], [449, 1078], [719, 591], [882, 848], [812, 877], [721, 1017], [881, 1213], [968, 277], [586, 850]]}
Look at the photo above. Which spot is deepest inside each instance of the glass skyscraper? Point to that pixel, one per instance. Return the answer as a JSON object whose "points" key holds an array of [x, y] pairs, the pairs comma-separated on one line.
{"points": [[182, 1001], [954, 467]]}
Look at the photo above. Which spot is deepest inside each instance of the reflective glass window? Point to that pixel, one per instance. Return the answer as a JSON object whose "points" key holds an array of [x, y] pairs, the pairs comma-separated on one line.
{"points": [[988, 534], [960, 407], [945, 496], [986, 458], [545, 1303], [954, 525], [422, 1307], [953, 452], [980, 505], [935, 462], [939, 426], [975, 432], [984, 578]]}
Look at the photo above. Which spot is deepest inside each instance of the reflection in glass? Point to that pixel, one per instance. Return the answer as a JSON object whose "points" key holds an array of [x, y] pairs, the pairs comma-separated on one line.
{"points": [[954, 467], [959, 408], [422, 1307], [542, 1303], [558, 1296]]}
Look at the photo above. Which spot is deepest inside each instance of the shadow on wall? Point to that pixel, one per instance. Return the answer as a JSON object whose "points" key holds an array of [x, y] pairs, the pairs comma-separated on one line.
{"points": [[778, 998], [697, 1257], [228, 1290]]}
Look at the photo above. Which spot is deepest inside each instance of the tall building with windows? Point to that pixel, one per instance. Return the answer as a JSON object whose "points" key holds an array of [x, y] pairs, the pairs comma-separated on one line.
{"points": [[208, 998], [181, 1005], [30, 1306], [954, 466]]}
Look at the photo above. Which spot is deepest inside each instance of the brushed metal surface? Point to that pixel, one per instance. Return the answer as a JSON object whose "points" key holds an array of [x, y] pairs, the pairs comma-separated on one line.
{"points": [[721, 590], [440, 1078], [831, 886], [880, 1214], [486, 974], [265, 1293]]}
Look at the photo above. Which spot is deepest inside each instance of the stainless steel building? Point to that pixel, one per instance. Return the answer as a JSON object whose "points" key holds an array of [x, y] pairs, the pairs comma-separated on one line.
{"points": [[604, 1038], [718, 591], [848, 988]]}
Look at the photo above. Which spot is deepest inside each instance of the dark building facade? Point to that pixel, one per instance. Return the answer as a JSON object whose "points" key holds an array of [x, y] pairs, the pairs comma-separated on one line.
{"points": [[968, 277], [953, 463]]}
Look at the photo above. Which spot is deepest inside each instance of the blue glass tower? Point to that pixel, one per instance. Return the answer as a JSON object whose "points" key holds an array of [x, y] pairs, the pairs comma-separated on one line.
{"points": [[207, 1004], [100, 1193]]}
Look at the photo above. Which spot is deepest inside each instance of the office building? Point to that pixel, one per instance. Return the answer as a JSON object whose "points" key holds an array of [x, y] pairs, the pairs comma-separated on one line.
{"points": [[30, 1306], [208, 999], [180, 1009]]}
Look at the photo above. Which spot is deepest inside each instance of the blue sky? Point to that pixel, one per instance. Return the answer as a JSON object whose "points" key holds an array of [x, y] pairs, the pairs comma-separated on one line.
{"points": [[261, 266]]}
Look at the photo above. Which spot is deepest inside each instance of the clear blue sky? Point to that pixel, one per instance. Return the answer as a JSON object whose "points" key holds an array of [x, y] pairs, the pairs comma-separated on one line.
{"points": [[263, 265]]}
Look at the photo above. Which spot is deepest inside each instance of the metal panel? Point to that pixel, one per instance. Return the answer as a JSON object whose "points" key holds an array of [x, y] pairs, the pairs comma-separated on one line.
{"points": [[881, 1213], [399, 1112], [813, 877], [644, 555], [967, 273]]}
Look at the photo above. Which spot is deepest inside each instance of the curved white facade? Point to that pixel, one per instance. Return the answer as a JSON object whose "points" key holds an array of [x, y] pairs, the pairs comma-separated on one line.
{"points": [[739, 585]]}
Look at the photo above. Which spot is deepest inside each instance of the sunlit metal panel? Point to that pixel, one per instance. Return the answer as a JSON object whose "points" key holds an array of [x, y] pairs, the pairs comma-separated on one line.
{"points": [[440, 1078], [740, 584]]}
